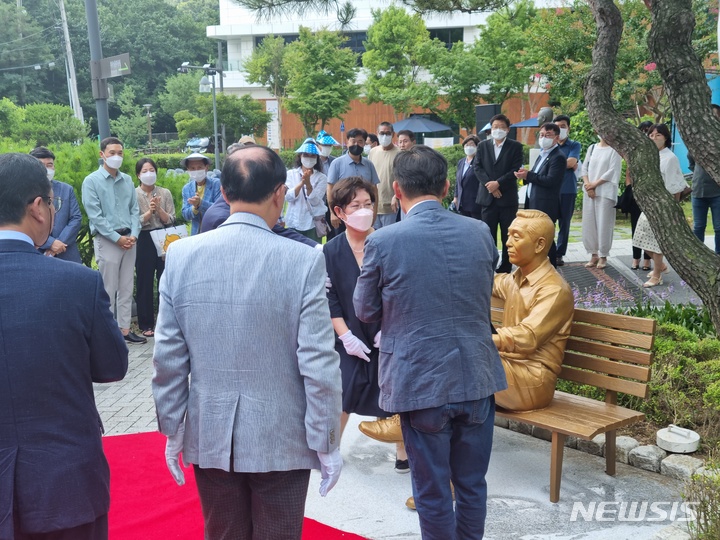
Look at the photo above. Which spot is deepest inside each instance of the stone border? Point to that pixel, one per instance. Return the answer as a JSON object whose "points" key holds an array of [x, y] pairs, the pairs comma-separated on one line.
{"points": [[628, 451]]}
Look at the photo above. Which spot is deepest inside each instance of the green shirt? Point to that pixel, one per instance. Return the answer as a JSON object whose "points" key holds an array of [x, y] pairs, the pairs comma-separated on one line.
{"points": [[110, 204]]}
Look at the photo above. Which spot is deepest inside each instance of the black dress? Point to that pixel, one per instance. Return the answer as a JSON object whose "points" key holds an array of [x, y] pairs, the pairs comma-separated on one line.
{"points": [[361, 391]]}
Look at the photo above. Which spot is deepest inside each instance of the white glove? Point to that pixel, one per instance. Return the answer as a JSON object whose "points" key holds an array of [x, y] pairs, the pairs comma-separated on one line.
{"points": [[173, 448], [328, 283], [354, 346], [330, 466], [376, 341]]}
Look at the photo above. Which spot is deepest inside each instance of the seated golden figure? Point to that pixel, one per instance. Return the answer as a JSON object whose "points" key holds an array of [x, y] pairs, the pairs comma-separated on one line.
{"points": [[538, 313]]}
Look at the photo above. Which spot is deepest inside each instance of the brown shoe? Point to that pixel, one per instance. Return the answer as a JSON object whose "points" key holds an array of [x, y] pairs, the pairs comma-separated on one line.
{"points": [[383, 430], [410, 503]]}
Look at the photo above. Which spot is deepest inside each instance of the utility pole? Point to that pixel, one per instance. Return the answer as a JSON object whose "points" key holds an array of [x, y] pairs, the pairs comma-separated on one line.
{"points": [[70, 67], [23, 89], [99, 85]]}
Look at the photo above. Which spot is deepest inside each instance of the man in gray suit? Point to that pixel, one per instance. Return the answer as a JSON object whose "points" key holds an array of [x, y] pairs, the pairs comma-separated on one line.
{"points": [[244, 315], [429, 279]]}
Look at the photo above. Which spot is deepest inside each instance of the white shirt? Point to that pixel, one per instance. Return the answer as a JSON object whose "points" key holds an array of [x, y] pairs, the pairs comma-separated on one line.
{"points": [[498, 148], [603, 162], [301, 209], [671, 173]]}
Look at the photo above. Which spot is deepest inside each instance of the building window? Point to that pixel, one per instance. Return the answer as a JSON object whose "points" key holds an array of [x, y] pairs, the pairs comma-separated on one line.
{"points": [[355, 41], [447, 35]]}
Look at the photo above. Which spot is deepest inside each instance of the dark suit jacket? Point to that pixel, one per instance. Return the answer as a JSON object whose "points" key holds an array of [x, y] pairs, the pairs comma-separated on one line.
{"points": [[546, 184], [436, 345], [57, 337], [502, 170], [67, 223], [466, 188]]}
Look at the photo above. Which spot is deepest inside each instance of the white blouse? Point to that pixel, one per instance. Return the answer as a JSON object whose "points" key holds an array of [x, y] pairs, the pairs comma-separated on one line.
{"points": [[603, 162], [301, 209], [671, 173]]}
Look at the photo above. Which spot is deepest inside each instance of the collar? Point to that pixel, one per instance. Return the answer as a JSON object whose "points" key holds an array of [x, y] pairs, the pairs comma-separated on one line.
{"points": [[246, 218], [496, 145], [16, 235], [545, 153], [533, 277], [415, 208]]}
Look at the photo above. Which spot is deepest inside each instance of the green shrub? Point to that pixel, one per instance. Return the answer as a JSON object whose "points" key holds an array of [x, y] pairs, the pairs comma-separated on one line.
{"points": [[703, 491]]}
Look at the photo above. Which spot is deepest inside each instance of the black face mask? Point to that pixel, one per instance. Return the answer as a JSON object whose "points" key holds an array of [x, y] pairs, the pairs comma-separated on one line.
{"points": [[355, 149]]}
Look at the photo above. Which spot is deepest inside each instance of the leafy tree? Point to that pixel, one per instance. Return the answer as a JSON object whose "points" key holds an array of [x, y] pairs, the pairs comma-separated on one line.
{"points": [[131, 126], [267, 66], [11, 117], [459, 72], [397, 49], [240, 115], [321, 78], [180, 93], [48, 123], [505, 50]]}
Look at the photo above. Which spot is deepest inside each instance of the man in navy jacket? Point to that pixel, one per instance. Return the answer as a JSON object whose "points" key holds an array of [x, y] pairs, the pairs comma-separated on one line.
{"points": [[57, 337]]}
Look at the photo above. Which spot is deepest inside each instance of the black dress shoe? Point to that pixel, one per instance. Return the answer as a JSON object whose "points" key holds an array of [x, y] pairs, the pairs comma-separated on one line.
{"points": [[134, 338], [560, 261]]}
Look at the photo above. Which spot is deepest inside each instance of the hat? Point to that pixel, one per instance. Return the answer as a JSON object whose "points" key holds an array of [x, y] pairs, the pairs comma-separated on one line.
{"points": [[193, 156], [325, 138], [308, 147], [245, 139]]}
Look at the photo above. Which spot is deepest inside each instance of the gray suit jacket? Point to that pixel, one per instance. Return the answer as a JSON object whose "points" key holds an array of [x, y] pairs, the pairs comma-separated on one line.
{"points": [[244, 313], [429, 279]]}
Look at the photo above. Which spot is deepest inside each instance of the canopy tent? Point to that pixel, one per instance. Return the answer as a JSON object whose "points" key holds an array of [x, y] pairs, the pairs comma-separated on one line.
{"points": [[530, 122], [420, 124]]}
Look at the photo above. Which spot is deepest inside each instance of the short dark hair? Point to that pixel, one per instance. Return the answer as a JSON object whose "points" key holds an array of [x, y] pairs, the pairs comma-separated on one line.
{"points": [[502, 118], [663, 130], [409, 134], [473, 138], [562, 118], [357, 132], [549, 126], [143, 161], [420, 171], [108, 141], [387, 124], [22, 179], [373, 138], [715, 107], [42, 153], [645, 126], [252, 174], [318, 164], [345, 190]]}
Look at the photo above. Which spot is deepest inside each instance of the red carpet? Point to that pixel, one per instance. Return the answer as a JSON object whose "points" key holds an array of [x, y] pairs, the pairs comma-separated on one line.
{"points": [[147, 504]]}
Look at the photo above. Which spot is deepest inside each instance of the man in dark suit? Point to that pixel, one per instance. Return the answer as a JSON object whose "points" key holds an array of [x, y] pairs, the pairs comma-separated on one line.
{"points": [[438, 366], [58, 337], [545, 178], [496, 162]]}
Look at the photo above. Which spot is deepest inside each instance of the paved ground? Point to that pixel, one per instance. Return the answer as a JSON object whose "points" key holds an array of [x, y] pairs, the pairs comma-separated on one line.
{"points": [[369, 499]]}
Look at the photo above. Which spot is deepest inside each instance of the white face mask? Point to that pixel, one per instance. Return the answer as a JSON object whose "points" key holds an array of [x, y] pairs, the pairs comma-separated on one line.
{"points": [[546, 142], [385, 140], [470, 150], [360, 220], [498, 134], [50, 173], [325, 151], [198, 176], [308, 162], [367, 149], [148, 178], [563, 134], [114, 162]]}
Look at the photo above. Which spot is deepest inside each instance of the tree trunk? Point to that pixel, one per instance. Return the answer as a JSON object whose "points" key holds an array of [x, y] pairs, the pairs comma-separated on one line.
{"points": [[690, 97]]}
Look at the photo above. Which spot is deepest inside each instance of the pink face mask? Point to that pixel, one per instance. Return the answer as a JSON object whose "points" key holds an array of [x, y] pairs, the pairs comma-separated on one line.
{"points": [[360, 220]]}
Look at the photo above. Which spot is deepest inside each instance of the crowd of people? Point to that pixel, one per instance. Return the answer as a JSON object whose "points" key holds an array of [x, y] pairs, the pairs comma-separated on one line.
{"points": [[264, 347]]}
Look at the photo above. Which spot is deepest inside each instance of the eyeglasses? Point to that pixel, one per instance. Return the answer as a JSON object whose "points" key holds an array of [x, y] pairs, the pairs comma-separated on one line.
{"points": [[283, 186], [354, 207], [384, 132], [56, 202]]}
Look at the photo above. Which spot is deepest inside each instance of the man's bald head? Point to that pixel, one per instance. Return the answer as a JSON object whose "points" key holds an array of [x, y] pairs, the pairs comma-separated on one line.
{"points": [[252, 174]]}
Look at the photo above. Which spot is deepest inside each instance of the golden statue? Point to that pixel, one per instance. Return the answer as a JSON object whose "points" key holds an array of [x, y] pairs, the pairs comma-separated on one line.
{"points": [[537, 317]]}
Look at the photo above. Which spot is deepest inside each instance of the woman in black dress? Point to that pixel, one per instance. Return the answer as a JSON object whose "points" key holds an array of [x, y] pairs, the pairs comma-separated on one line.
{"points": [[353, 201]]}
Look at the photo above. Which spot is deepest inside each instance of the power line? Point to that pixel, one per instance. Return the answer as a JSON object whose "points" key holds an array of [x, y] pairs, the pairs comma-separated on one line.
{"points": [[31, 35], [45, 62]]}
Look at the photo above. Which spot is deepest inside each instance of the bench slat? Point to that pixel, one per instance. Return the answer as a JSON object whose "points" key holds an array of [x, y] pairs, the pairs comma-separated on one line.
{"points": [[609, 367], [611, 335], [576, 416], [604, 381], [615, 320], [634, 356]]}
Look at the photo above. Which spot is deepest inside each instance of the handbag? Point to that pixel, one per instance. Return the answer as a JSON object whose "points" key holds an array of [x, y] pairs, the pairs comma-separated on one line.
{"points": [[321, 226], [162, 238]]}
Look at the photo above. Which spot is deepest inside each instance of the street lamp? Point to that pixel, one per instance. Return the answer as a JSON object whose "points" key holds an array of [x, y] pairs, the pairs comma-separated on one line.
{"points": [[207, 84], [149, 122]]}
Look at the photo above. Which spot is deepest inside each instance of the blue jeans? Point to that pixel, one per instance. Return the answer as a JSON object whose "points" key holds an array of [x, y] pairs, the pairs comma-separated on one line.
{"points": [[565, 214], [450, 442], [700, 207]]}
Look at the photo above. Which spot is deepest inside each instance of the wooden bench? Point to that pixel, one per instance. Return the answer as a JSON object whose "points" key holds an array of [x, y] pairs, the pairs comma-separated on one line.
{"points": [[606, 350]]}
